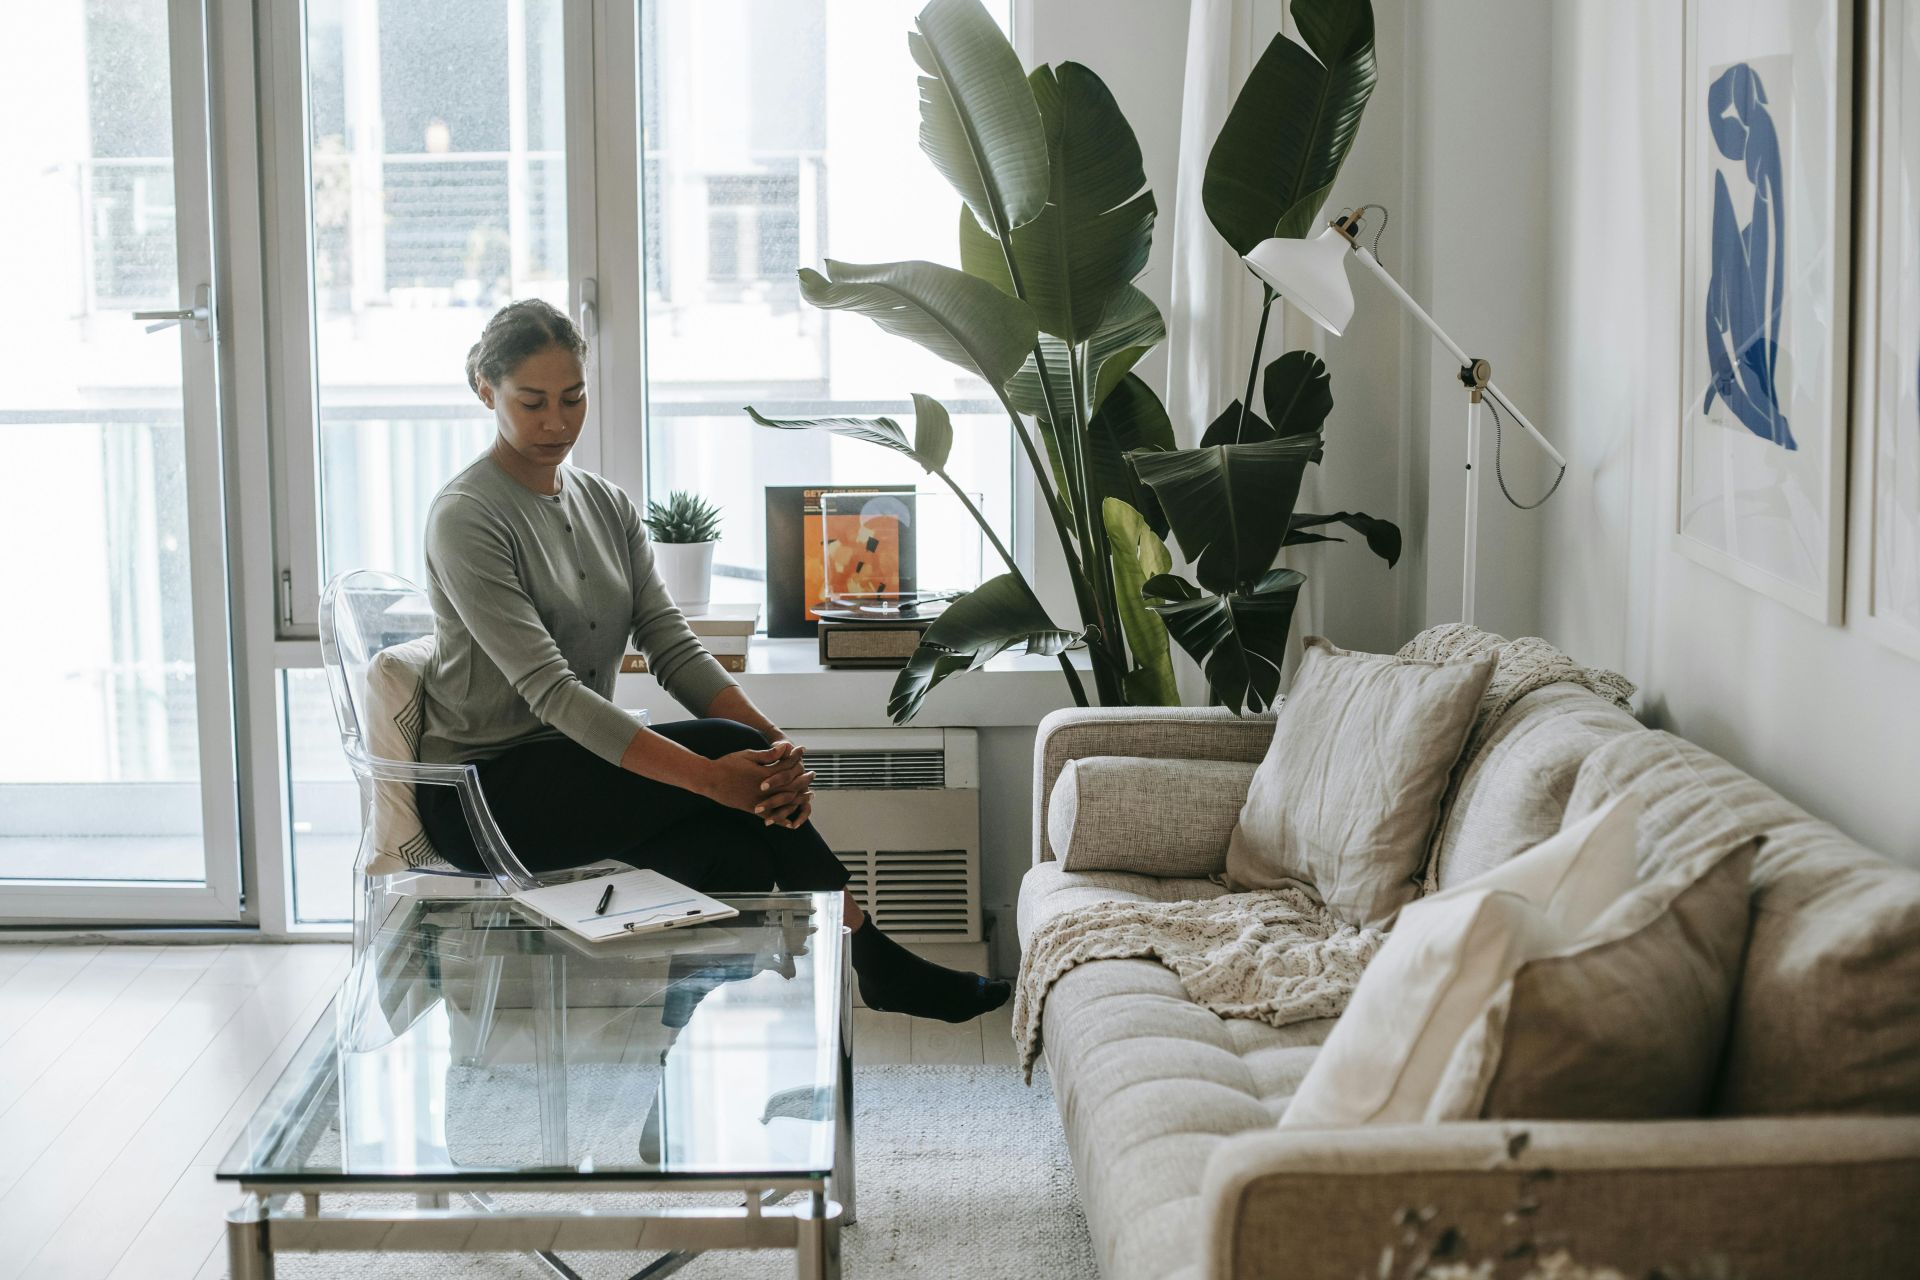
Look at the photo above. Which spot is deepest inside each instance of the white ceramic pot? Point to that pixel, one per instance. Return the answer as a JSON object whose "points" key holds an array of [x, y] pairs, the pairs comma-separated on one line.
{"points": [[687, 569]]}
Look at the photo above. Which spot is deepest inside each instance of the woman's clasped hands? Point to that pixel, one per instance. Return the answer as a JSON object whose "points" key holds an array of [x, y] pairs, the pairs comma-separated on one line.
{"points": [[772, 783]]}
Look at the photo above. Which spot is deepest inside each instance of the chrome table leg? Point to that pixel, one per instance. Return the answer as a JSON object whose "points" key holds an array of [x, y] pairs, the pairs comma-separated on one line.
{"points": [[817, 1245], [843, 1118], [248, 1254]]}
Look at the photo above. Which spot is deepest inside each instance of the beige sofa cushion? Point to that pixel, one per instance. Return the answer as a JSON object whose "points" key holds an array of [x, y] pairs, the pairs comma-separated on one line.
{"points": [[1349, 793], [1511, 792], [1627, 1024], [1827, 1015], [1157, 817], [1446, 958]]}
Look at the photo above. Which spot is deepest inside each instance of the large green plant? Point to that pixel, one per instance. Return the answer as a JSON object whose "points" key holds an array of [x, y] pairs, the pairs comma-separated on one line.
{"points": [[1056, 222]]}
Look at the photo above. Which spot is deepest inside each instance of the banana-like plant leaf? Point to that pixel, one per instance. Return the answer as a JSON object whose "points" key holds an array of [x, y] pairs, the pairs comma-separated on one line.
{"points": [[1383, 536], [1298, 393], [1131, 321], [983, 624], [1093, 237], [932, 431], [1235, 427], [1238, 639], [1114, 371], [1289, 131], [1139, 554], [979, 123], [981, 255], [952, 314], [1229, 505], [1132, 418]]}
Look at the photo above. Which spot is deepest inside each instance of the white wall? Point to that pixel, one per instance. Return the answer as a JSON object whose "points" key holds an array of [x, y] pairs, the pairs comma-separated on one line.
{"points": [[1823, 714]]}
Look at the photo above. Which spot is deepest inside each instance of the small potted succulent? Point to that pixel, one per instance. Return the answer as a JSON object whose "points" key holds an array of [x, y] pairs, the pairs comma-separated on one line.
{"points": [[684, 529]]}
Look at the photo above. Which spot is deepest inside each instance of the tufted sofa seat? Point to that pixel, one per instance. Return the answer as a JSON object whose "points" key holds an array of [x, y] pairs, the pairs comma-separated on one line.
{"points": [[1157, 1082], [1170, 1111]]}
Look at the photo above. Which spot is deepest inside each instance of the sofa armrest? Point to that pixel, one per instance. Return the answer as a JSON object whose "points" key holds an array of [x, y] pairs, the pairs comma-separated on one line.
{"points": [[1171, 733], [1762, 1198]]}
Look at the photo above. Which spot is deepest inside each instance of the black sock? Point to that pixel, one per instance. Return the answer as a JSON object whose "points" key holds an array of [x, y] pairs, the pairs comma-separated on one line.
{"points": [[894, 980]]}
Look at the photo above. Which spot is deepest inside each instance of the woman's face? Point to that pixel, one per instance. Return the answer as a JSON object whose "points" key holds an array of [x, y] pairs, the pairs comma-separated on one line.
{"points": [[540, 406]]}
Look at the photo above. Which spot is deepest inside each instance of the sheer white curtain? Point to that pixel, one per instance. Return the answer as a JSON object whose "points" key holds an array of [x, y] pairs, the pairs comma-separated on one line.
{"points": [[1216, 301]]}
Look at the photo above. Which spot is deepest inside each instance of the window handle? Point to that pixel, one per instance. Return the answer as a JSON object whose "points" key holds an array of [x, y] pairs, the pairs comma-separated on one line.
{"points": [[588, 317], [201, 314]]}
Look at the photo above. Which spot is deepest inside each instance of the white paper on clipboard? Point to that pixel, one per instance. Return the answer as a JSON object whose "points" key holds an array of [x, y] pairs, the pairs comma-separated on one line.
{"points": [[643, 902]]}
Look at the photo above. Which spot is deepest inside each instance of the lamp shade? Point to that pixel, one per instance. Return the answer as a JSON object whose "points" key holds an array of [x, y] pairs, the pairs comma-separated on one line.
{"points": [[1311, 274]]}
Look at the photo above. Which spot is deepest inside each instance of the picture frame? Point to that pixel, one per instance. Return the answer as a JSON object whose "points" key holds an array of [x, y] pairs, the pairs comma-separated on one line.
{"points": [[1766, 215], [1887, 390], [796, 572]]}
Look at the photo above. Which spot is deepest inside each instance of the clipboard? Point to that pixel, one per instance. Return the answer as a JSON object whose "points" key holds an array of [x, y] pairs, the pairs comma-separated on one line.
{"points": [[643, 902]]}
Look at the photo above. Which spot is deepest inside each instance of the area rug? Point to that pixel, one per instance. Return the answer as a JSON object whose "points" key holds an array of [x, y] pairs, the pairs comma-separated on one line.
{"points": [[963, 1171]]}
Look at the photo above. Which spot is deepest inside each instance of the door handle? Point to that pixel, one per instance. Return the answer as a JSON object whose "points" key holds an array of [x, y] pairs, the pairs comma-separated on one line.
{"points": [[200, 314], [588, 317]]}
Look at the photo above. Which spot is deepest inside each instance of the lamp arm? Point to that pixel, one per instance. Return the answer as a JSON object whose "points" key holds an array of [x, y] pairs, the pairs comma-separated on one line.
{"points": [[1453, 348]]}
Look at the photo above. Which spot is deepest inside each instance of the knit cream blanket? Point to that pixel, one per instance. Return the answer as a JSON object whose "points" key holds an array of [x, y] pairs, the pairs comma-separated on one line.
{"points": [[1277, 955]]}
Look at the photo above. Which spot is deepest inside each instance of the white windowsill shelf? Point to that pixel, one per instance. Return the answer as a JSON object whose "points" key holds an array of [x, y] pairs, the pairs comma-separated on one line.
{"points": [[786, 681]]}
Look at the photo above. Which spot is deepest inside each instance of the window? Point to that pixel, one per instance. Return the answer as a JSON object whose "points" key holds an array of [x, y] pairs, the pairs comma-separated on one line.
{"points": [[779, 133], [438, 194]]}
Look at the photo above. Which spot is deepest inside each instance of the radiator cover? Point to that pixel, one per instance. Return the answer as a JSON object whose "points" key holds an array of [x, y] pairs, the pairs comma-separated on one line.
{"points": [[901, 808]]}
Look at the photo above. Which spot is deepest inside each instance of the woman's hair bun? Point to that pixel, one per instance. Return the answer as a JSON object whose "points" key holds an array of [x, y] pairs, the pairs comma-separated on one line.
{"points": [[516, 331]]}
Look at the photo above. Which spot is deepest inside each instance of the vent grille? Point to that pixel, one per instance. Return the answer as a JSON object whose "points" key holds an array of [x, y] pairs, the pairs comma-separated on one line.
{"points": [[914, 892], [877, 770]]}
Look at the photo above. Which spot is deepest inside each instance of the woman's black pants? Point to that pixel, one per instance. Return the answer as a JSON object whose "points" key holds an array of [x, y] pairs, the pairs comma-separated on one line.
{"points": [[561, 806]]}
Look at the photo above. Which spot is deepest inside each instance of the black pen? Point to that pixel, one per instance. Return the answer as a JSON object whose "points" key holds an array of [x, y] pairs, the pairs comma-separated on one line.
{"points": [[605, 898]]}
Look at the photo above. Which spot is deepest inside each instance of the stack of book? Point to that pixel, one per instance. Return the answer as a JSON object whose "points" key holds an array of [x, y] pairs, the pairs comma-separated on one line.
{"points": [[724, 629]]}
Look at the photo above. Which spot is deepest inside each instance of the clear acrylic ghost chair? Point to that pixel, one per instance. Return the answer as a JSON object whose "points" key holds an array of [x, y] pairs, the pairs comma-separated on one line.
{"points": [[363, 613]]}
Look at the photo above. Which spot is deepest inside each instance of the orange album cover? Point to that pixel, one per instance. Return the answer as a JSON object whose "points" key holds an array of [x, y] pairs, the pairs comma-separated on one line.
{"points": [[859, 555]]}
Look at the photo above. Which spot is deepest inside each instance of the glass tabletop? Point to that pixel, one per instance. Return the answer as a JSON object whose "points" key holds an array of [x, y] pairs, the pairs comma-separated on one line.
{"points": [[473, 1042]]}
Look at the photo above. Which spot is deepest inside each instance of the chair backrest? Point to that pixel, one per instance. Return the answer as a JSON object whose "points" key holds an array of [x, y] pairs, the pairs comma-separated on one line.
{"points": [[361, 613], [376, 637]]}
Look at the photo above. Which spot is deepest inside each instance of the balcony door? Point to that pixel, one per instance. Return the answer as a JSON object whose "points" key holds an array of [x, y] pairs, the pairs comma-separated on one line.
{"points": [[117, 791]]}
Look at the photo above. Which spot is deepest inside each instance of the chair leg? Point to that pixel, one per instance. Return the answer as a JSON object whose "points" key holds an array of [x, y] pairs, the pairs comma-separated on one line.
{"points": [[486, 999], [550, 1054]]}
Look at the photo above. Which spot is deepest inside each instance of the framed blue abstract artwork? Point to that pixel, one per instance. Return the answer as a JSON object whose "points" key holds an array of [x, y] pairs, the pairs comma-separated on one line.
{"points": [[1887, 459], [1767, 221]]}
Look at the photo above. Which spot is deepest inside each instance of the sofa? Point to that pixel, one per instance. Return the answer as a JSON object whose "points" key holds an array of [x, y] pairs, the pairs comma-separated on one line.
{"points": [[1807, 1165]]}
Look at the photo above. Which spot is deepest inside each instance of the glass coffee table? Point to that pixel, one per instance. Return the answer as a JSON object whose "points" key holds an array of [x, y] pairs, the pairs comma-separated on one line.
{"points": [[524, 1090]]}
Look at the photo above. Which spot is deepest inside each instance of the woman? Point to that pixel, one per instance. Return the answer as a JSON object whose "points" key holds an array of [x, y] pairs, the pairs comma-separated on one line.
{"points": [[539, 572]]}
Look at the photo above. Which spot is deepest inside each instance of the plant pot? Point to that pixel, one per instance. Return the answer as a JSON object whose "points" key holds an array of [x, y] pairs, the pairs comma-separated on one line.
{"points": [[687, 570]]}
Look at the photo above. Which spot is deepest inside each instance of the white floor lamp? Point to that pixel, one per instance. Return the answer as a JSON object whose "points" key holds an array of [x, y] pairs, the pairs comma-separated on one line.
{"points": [[1312, 275]]}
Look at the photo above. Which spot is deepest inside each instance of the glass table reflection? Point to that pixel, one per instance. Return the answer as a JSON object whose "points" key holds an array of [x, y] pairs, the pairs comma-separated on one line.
{"points": [[475, 1052]]}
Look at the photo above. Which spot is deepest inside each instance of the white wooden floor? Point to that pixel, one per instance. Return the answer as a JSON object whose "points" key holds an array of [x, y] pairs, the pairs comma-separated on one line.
{"points": [[127, 1071]]}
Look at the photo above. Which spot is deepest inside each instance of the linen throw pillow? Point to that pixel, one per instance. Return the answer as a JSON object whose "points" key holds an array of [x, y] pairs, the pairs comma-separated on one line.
{"points": [[1627, 1024], [395, 713], [1134, 813], [1446, 957], [1350, 790]]}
